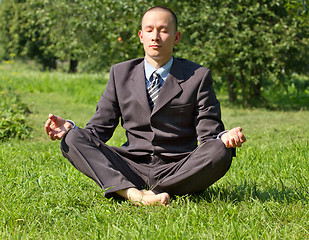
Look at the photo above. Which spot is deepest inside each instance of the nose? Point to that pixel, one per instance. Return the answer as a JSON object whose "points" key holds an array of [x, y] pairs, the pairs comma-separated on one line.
{"points": [[155, 35]]}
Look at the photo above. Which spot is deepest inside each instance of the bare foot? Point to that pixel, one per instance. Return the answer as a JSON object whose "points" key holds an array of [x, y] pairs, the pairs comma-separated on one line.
{"points": [[144, 197], [148, 192], [155, 199]]}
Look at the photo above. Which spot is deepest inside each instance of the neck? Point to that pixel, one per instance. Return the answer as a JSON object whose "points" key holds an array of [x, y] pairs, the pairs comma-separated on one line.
{"points": [[156, 63]]}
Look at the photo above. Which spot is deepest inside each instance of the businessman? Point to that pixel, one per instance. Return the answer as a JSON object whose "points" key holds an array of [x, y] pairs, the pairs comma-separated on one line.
{"points": [[176, 142]]}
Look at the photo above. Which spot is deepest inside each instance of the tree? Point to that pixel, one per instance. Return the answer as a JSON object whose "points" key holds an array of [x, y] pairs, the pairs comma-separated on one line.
{"points": [[99, 33], [23, 33], [251, 44]]}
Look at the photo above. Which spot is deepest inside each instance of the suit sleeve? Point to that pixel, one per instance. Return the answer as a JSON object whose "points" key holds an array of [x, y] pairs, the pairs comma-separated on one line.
{"points": [[106, 117], [207, 113]]}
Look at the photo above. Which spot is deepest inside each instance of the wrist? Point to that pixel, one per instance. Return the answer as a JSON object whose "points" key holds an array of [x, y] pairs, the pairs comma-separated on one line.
{"points": [[69, 125], [221, 134]]}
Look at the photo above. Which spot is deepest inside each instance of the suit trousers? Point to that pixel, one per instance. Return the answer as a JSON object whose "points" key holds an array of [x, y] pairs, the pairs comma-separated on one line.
{"points": [[112, 171]]}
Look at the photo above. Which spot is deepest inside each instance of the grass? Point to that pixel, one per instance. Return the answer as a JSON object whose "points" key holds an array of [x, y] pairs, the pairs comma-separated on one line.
{"points": [[263, 196]]}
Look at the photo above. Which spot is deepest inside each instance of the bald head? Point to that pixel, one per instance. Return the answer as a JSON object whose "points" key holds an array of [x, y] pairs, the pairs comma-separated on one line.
{"points": [[172, 14]]}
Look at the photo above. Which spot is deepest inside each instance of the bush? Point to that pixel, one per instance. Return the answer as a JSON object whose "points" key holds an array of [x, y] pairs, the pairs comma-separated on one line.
{"points": [[12, 116]]}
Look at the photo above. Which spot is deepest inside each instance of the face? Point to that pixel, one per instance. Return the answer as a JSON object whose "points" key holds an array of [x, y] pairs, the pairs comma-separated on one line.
{"points": [[158, 37]]}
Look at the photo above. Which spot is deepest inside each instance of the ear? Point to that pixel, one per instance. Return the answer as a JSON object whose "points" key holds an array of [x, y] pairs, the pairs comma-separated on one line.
{"points": [[177, 38], [140, 34]]}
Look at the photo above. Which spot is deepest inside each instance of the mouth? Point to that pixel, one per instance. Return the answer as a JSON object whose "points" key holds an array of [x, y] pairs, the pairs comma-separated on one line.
{"points": [[154, 46]]}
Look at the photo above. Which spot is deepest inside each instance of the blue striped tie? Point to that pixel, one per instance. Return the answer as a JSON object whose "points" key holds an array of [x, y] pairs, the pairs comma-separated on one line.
{"points": [[153, 89]]}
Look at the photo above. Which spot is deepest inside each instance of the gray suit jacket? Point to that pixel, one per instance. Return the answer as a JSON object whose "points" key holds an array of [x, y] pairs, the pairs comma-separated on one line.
{"points": [[186, 111]]}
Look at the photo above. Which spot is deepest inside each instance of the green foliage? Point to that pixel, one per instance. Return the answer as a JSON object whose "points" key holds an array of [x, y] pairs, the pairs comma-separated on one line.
{"points": [[99, 33], [12, 116], [23, 34], [252, 47]]}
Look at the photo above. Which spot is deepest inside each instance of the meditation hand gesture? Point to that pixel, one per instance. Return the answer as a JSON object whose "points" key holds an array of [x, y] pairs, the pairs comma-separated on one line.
{"points": [[56, 127], [233, 138]]}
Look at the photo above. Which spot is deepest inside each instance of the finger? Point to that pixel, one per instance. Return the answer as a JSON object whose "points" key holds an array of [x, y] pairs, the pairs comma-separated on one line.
{"points": [[47, 126], [240, 135], [243, 138], [238, 129], [237, 141], [59, 136], [226, 142], [52, 137], [53, 117], [232, 142], [238, 144], [57, 120]]}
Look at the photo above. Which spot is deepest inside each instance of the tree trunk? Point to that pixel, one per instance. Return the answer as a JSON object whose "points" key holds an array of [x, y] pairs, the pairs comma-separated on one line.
{"points": [[257, 91], [231, 88], [49, 64], [243, 89], [73, 66], [255, 97]]}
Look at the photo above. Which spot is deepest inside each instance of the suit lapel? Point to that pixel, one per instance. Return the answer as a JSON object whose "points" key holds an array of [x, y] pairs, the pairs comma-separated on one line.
{"points": [[138, 86], [171, 87]]}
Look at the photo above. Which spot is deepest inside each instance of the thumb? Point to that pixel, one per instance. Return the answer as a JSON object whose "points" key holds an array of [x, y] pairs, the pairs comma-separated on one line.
{"points": [[238, 129], [56, 119], [52, 117]]}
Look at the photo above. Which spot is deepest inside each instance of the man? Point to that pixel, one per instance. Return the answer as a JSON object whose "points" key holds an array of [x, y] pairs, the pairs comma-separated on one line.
{"points": [[166, 105]]}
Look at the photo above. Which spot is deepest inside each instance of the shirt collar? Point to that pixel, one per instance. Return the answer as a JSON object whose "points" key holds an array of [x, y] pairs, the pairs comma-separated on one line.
{"points": [[163, 71]]}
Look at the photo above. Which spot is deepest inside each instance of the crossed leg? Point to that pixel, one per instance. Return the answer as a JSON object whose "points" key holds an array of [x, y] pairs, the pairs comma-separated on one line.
{"points": [[196, 172], [116, 175], [108, 169]]}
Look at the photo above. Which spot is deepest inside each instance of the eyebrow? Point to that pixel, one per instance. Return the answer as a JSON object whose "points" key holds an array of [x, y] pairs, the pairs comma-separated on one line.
{"points": [[163, 26]]}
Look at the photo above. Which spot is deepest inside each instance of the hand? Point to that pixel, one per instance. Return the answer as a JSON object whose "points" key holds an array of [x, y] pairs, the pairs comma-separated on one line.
{"points": [[56, 127], [233, 138]]}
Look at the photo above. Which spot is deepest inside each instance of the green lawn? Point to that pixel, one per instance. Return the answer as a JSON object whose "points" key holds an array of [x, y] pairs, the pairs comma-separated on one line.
{"points": [[263, 196]]}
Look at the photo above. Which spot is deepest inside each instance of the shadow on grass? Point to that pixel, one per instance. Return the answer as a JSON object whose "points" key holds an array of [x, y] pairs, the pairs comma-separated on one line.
{"points": [[250, 191]]}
